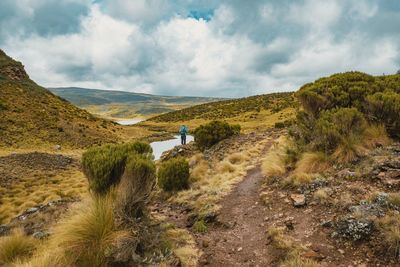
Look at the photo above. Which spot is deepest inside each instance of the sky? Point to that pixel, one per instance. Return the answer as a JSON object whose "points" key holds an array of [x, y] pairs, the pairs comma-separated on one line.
{"points": [[222, 48]]}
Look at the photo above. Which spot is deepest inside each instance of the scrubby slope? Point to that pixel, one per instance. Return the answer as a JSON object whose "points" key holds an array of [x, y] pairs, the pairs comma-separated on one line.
{"points": [[31, 115], [252, 113]]}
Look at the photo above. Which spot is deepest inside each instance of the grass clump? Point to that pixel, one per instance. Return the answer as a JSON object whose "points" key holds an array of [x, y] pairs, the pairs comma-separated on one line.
{"points": [[173, 175], [297, 261], [16, 247], [87, 237], [104, 165], [390, 228], [273, 164], [200, 226], [211, 133]]}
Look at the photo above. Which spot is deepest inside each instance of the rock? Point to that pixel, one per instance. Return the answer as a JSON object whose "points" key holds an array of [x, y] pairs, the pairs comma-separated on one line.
{"points": [[367, 210], [40, 235], [355, 229], [298, 200], [341, 251], [327, 224], [239, 249], [205, 244], [57, 147], [311, 254], [31, 210]]}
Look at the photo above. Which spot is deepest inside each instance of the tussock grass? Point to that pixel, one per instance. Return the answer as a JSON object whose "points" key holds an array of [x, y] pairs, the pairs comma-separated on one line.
{"points": [[183, 245], [394, 199], [312, 162], [225, 166], [237, 158], [16, 247], [38, 188], [200, 170], [390, 228], [84, 239], [321, 196], [273, 164], [297, 261], [291, 250]]}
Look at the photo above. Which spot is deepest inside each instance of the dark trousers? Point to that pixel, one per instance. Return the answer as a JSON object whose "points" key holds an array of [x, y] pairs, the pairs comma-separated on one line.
{"points": [[183, 139]]}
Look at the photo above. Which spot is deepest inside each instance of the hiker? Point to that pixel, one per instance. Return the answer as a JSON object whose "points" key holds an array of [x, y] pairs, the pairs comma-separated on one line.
{"points": [[183, 132]]}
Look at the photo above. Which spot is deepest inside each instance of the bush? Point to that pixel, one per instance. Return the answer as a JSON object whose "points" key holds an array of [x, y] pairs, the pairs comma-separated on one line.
{"points": [[209, 134], [174, 175], [104, 165], [16, 246], [135, 186]]}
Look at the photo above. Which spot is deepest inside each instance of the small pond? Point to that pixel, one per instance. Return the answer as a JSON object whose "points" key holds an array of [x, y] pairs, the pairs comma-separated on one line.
{"points": [[162, 146], [129, 121]]}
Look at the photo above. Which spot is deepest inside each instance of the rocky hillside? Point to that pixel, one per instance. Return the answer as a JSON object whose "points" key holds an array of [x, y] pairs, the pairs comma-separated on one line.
{"points": [[31, 115]]}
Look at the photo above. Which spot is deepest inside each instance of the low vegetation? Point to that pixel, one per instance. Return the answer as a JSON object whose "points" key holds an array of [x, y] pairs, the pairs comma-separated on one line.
{"points": [[211, 133], [104, 165], [173, 175], [16, 247]]}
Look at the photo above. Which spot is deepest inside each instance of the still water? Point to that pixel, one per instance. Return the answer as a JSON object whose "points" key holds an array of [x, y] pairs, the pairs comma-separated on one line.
{"points": [[161, 146], [129, 121]]}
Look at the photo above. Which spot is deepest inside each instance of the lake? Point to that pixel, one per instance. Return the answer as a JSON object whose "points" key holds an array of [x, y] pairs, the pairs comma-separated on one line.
{"points": [[162, 146], [129, 121]]}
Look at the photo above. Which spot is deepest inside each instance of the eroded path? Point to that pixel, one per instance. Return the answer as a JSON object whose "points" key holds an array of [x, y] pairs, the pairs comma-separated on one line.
{"points": [[242, 240]]}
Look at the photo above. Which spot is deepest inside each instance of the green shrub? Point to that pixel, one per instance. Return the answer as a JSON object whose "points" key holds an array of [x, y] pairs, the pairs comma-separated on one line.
{"points": [[200, 226], [135, 186], [336, 125], [174, 175], [104, 165], [211, 133]]}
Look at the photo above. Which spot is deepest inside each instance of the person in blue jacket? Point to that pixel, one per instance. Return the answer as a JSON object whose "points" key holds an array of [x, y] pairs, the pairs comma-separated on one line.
{"points": [[183, 131]]}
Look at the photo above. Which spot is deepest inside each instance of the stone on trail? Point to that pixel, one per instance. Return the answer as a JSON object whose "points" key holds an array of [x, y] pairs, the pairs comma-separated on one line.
{"points": [[299, 200]]}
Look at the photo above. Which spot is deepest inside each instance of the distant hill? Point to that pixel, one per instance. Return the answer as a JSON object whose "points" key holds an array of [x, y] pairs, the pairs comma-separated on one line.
{"points": [[32, 115], [119, 104]]}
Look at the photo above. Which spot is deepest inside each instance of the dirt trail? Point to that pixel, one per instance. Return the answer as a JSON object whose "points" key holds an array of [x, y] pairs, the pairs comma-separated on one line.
{"points": [[243, 240]]}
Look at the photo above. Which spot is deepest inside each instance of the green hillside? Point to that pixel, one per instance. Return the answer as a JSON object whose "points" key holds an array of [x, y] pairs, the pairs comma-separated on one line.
{"points": [[119, 104], [230, 108], [31, 115], [252, 113]]}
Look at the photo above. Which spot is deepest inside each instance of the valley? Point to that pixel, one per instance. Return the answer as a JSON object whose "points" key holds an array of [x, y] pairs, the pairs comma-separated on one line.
{"points": [[305, 179]]}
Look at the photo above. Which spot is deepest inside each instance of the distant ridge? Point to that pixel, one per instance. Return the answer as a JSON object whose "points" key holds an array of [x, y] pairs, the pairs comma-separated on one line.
{"points": [[110, 103]]}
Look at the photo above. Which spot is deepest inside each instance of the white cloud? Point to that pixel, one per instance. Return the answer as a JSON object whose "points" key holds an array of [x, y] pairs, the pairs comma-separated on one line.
{"points": [[236, 53]]}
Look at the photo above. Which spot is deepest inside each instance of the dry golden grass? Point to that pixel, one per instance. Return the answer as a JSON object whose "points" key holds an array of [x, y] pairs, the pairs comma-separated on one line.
{"points": [[394, 199], [390, 228], [16, 247], [38, 188], [83, 239], [297, 261], [291, 250], [354, 147], [312, 162], [273, 164], [183, 245], [321, 196]]}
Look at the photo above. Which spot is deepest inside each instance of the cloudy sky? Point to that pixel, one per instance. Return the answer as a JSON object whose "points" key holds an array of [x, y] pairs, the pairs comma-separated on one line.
{"points": [[213, 47]]}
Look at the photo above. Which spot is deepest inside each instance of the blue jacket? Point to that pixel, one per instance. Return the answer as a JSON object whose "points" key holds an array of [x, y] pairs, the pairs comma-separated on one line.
{"points": [[183, 130]]}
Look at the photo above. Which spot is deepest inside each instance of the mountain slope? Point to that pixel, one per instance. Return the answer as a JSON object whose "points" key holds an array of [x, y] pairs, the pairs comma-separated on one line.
{"points": [[118, 104], [31, 115]]}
